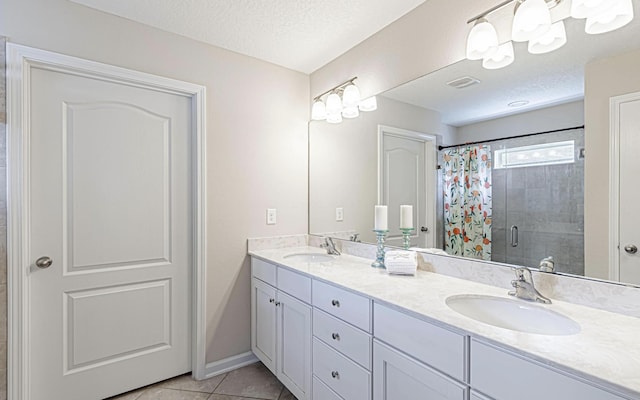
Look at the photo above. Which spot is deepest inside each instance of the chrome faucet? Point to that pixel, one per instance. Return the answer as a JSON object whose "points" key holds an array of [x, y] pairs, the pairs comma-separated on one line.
{"points": [[524, 287], [547, 265], [330, 246], [354, 237]]}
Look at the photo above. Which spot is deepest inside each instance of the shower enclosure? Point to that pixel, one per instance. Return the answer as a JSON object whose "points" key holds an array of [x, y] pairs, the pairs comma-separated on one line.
{"points": [[537, 200]]}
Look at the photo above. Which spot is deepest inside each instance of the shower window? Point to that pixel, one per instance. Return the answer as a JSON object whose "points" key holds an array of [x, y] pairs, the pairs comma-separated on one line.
{"points": [[535, 155]]}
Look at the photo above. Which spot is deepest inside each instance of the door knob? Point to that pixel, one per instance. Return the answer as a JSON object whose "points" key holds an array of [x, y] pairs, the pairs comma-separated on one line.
{"points": [[631, 248], [44, 262]]}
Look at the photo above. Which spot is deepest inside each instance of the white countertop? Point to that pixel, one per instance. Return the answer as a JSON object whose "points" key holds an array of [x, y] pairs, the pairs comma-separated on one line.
{"points": [[606, 351]]}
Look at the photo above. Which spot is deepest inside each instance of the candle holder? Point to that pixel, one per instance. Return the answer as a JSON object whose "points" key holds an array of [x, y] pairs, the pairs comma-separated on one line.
{"points": [[379, 262], [406, 237]]}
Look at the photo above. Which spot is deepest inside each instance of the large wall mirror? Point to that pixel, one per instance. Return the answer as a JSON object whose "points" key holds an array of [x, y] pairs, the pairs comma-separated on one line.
{"points": [[495, 170]]}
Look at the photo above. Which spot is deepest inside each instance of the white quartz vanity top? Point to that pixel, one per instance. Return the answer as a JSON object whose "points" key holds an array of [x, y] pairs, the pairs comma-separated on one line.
{"points": [[607, 350]]}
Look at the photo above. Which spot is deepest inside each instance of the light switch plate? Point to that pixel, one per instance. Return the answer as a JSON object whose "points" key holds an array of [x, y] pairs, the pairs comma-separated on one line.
{"points": [[271, 216], [339, 214]]}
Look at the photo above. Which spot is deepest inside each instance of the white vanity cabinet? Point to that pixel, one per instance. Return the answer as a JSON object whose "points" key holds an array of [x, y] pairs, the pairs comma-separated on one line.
{"points": [[326, 342], [341, 344], [503, 375], [414, 359], [281, 324]]}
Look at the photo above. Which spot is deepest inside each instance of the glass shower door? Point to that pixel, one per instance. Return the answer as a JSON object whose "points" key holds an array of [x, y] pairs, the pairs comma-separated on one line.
{"points": [[543, 200]]}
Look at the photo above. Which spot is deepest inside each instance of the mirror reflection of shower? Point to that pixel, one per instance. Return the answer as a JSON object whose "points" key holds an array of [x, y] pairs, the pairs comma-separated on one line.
{"points": [[516, 200]]}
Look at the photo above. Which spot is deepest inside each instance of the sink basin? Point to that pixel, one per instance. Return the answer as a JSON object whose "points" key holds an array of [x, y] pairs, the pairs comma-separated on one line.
{"points": [[513, 314], [310, 257]]}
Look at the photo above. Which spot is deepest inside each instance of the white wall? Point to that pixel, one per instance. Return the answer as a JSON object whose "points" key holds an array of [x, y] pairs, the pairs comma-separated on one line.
{"points": [[257, 137], [604, 79], [343, 164], [561, 116]]}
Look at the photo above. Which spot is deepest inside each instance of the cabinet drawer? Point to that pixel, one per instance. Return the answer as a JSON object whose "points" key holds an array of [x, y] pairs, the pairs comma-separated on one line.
{"points": [[263, 270], [431, 344], [350, 307], [297, 285], [342, 375], [398, 376], [350, 341], [322, 391], [503, 376]]}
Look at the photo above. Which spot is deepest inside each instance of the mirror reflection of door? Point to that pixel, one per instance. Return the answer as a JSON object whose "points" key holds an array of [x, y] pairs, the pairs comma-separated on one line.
{"points": [[626, 120], [406, 174]]}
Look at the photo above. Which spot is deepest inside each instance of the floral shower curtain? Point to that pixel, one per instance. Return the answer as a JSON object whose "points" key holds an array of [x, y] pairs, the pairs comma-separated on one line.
{"points": [[467, 201]]}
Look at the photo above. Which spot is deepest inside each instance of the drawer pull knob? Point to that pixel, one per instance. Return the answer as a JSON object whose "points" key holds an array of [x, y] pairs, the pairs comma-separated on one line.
{"points": [[272, 300], [335, 375], [335, 303], [278, 304], [335, 336]]}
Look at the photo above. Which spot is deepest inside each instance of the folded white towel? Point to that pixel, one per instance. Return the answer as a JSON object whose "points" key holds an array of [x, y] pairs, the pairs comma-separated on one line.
{"points": [[401, 262], [400, 256]]}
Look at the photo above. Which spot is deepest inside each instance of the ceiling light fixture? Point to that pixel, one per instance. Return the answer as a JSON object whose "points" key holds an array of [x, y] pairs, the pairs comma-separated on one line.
{"points": [[532, 23], [341, 101]]}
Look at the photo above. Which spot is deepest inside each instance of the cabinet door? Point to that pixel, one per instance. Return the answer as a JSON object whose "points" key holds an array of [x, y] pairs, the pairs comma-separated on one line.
{"points": [[396, 376], [503, 375], [294, 345], [263, 323]]}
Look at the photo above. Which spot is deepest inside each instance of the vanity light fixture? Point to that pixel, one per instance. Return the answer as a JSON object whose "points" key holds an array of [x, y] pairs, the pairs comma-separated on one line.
{"points": [[589, 8], [482, 40], [318, 111], [503, 57], [555, 38], [532, 23], [618, 15], [532, 19], [351, 96], [334, 104], [341, 101], [369, 104]]}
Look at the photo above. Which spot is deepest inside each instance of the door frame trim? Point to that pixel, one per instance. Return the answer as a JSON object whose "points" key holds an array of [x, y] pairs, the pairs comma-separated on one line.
{"points": [[429, 140], [614, 182], [20, 61]]}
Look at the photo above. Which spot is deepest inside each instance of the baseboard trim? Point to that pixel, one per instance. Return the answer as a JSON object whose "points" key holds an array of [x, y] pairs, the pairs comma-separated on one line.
{"points": [[229, 364]]}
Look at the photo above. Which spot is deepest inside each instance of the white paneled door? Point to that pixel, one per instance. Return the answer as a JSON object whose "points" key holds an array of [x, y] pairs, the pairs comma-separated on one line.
{"points": [[110, 235], [628, 120], [407, 177]]}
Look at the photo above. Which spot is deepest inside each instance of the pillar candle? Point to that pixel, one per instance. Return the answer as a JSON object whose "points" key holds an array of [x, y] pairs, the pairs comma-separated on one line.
{"points": [[406, 217], [380, 222]]}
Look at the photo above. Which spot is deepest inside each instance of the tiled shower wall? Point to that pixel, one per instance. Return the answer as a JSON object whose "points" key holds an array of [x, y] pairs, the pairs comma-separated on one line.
{"points": [[546, 203], [3, 223]]}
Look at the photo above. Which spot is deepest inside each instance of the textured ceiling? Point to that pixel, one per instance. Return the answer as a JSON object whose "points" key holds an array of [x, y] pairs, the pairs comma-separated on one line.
{"points": [[302, 35], [542, 79]]}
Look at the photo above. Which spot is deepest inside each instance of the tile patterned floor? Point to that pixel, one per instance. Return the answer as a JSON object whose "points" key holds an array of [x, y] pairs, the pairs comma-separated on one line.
{"points": [[252, 382]]}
